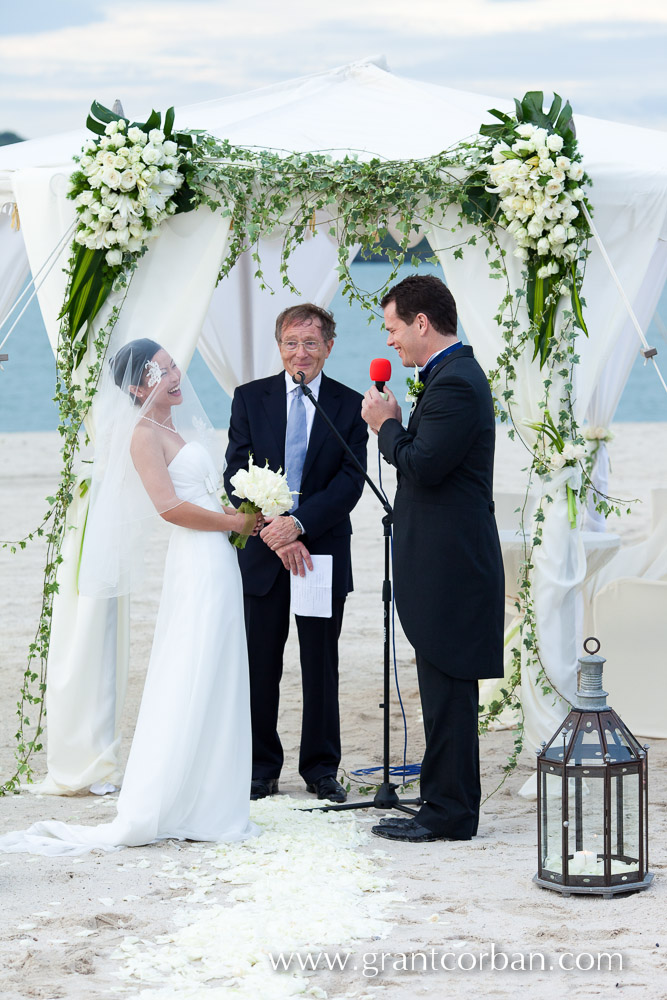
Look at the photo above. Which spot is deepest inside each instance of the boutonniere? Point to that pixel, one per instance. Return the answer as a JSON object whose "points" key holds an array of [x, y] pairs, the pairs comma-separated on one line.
{"points": [[415, 388]]}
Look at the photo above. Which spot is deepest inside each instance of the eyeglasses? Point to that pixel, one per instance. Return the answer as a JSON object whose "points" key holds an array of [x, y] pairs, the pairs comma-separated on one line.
{"points": [[291, 346]]}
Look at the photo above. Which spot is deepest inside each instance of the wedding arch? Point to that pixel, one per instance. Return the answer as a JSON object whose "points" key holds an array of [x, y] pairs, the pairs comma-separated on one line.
{"points": [[226, 212]]}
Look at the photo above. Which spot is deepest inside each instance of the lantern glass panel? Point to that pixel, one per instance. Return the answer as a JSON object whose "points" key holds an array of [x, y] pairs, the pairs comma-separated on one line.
{"points": [[624, 822], [551, 792], [587, 747], [585, 831], [618, 746]]}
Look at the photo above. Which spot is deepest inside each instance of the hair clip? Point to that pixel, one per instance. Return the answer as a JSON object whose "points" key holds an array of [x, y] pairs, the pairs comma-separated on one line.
{"points": [[154, 373]]}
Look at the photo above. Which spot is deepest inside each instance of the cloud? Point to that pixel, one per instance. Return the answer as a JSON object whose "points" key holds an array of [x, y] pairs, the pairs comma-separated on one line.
{"points": [[161, 52]]}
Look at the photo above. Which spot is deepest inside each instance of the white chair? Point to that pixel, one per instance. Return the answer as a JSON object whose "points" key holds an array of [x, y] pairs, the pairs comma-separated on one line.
{"points": [[630, 620]]}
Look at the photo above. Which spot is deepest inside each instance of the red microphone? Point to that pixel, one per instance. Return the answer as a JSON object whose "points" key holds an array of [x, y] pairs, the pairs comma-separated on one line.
{"points": [[380, 372]]}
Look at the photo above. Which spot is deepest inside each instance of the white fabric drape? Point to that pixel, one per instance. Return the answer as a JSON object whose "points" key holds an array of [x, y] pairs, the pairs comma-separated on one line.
{"points": [[237, 340], [608, 391], [15, 270], [167, 301], [630, 233]]}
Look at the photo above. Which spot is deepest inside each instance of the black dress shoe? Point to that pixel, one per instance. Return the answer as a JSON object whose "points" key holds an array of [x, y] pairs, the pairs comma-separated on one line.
{"points": [[328, 788], [411, 832], [260, 788], [395, 820]]}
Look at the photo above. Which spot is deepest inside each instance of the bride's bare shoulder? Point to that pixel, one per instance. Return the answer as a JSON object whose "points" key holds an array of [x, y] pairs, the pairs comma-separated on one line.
{"points": [[146, 443]]}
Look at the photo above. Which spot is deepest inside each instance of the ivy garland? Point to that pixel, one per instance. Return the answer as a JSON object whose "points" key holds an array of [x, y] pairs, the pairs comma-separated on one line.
{"points": [[133, 175]]}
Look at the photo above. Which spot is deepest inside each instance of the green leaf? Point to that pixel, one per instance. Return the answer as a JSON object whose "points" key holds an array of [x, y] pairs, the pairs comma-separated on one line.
{"points": [[169, 122], [103, 114], [576, 301]]}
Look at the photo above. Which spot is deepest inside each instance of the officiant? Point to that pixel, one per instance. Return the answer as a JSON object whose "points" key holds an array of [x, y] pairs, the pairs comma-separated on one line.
{"points": [[272, 420]]}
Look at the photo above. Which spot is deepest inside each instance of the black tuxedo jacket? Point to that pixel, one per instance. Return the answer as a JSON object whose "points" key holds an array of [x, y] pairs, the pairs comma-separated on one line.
{"points": [[330, 485], [448, 570]]}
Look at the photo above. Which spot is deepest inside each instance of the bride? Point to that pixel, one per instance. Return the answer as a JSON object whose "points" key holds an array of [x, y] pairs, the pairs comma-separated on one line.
{"points": [[189, 768]]}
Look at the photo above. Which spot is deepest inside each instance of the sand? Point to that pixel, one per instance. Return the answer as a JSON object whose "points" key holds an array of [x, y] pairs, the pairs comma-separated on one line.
{"points": [[62, 920]]}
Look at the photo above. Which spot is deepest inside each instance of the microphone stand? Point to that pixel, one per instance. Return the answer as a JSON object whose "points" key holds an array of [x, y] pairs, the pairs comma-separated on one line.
{"points": [[385, 797]]}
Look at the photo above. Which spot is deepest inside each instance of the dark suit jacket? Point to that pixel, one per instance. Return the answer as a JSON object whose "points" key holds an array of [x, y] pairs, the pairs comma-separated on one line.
{"points": [[330, 485], [448, 569]]}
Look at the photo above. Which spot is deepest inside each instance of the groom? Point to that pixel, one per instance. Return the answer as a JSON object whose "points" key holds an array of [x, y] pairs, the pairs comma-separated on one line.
{"points": [[272, 420], [448, 571]]}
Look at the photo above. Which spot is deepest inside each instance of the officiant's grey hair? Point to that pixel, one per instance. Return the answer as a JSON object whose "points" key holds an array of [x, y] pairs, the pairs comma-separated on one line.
{"points": [[306, 314]]}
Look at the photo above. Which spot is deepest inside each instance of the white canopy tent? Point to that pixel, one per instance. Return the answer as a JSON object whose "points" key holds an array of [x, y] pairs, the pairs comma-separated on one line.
{"points": [[364, 109]]}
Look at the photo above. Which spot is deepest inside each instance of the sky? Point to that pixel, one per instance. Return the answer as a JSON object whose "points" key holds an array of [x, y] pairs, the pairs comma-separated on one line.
{"points": [[608, 57]]}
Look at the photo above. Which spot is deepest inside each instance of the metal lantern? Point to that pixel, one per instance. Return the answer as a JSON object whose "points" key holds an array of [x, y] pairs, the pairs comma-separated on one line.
{"points": [[592, 799]]}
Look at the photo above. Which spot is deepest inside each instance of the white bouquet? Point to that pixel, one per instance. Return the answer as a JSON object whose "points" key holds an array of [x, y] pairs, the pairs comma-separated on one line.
{"points": [[260, 489], [540, 195], [124, 189]]}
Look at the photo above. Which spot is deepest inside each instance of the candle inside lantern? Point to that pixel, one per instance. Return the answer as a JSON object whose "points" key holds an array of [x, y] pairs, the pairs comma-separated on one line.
{"points": [[584, 863]]}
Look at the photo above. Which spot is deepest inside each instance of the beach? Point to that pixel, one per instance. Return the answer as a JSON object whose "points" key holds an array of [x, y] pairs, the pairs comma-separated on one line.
{"points": [[63, 920]]}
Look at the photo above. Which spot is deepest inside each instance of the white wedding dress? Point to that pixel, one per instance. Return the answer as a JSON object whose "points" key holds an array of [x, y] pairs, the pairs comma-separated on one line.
{"points": [[189, 770]]}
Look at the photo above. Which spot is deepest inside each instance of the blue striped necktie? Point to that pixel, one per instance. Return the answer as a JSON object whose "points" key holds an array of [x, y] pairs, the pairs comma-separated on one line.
{"points": [[296, 442]]}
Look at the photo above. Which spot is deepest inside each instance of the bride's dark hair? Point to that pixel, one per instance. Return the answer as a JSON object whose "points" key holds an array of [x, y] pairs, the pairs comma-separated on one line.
{"points": [[128, 364]]}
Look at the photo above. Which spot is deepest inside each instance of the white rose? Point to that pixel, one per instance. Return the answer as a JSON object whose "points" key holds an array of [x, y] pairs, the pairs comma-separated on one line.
{"points": [[109, 239], [156, 135], [136, 135], [86, 216], [543, 246], [123, 236], [120, 163], [128, 180], [113, 257], [136, 230], [545, 166], [520, 235], [568, 451], [576, 194], [570, 212], [523, 146], [85, 198], [553, 211], [513, 226], [111, 177], [563, 162], [111, 128], [170, 148], [534, 227], [544, 271], [133, 245], [119, 141], [557, 235], [105, 214], [86, 161], [553, 188], [576, 172], [554, 143], [558, 175], [521, 253], [171, 178], [570, 251], [105, 141], [151, 155], [556, 461], [525, 130]]}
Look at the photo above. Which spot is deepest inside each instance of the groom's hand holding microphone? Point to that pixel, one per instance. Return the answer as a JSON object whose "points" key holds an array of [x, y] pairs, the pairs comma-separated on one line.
{"points": [[379, 403]]}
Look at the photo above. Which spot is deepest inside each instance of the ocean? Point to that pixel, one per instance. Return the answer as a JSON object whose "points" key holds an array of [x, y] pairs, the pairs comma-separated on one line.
{"points": [[26, 384]]}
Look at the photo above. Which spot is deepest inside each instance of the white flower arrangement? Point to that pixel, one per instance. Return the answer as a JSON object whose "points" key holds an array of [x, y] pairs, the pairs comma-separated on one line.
{"points": [[123, 189], [539, 194], [266, 489], [260, 489], [598, 434]]}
